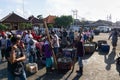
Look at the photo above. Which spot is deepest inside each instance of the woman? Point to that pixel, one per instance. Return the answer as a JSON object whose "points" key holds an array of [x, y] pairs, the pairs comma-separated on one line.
{"points": [[15, 58], [48, 56]]}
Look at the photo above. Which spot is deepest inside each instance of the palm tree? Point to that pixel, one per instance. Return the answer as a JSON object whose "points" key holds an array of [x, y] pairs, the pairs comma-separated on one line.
{"points": [[40, 17]]}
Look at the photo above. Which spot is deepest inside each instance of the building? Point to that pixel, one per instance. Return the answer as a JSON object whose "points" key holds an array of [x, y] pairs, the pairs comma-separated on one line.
{"points": [[36, 22], [50, 19], [13, 21]]}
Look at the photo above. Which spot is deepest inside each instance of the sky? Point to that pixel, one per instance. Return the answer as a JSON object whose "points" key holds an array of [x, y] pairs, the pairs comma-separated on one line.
{"points": [[86, 9]]}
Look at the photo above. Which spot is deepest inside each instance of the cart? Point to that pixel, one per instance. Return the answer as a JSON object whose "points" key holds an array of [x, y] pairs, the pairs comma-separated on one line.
{"points": [[67, 61], [69, 52], [89, 48]]}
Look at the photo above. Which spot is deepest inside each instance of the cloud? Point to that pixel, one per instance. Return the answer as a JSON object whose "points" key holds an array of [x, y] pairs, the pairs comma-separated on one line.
{"points": [[59, 7], [19, 11], [1, 10], [27, 14], [89, 9], [22, 13], [17, 1]]}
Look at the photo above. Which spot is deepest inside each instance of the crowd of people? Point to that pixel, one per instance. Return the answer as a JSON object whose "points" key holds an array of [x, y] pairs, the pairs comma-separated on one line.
{"points": [[16, 48]]}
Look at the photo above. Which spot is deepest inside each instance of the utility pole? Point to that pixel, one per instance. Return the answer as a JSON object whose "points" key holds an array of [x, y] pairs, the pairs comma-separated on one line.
{"points": [[74, 15], [23, 8], [109, 18]]}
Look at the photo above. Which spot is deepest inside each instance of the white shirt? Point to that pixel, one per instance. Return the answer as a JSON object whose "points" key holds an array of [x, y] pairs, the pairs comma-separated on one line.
{"points": [[28, 37], [56, 41]]}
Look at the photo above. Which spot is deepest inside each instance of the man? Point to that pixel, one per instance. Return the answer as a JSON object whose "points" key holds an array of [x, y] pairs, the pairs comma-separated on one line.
{"points": [[114, 34], [80, 54], [56, 43]]}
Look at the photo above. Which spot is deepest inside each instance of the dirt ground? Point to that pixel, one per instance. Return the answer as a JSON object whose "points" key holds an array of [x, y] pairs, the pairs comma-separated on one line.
{"points": [[97, 66]]}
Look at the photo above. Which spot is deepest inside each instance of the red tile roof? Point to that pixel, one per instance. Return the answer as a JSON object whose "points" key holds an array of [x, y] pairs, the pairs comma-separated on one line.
{"points": [[50, 19]]}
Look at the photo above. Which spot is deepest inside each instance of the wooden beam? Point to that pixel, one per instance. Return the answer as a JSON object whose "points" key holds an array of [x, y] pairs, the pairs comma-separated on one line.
{"points": [[48, 35]]}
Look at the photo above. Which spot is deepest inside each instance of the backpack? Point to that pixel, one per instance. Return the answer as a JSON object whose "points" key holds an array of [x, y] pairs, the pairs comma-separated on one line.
{"points": [[8, 43], [32, 50], [31, 42]]}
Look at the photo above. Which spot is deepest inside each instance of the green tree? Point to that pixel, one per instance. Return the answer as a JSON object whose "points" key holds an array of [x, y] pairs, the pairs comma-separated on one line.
{"points": [[50, 25], [64, 21], [25, 25], [3, 27]]}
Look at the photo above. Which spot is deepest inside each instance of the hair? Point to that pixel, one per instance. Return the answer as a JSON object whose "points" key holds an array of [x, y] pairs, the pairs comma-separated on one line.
{"points": [[14, 39], [80, 37], [9, 36], [52, 32]]}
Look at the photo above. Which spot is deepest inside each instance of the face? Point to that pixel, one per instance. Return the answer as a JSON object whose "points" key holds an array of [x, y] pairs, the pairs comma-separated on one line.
{"points": [[18, 41]]}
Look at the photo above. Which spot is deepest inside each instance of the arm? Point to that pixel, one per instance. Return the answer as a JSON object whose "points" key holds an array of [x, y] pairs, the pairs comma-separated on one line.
{"points": [[110, 36], [13, 58], [12, 55], [21, 58]]}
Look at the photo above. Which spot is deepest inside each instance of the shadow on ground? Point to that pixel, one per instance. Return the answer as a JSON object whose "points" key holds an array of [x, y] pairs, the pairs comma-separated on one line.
{"points": [[118, 68], [55, 75], [87, 55], [110, 59], [77, 77], [58, 74], [118, 63]]}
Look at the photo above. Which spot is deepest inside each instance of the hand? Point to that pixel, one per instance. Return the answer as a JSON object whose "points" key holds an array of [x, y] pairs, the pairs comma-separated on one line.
{"points": [[16, 60]]}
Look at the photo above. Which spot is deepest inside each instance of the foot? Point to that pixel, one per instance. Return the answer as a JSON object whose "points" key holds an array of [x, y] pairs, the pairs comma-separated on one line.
{"points": [[78, 71], [114, 48], [3, 60], [79, 74]]}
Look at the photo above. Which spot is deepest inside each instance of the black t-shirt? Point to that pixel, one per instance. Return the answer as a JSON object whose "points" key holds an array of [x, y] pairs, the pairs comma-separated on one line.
{"points": [[19, 53], [65, 34], [80, 48]]}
